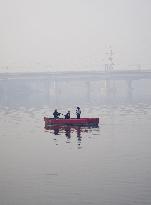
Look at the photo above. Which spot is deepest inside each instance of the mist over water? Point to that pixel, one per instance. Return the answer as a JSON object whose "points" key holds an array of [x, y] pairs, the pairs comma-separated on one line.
{"points": [[105, 165], [108, 165]]}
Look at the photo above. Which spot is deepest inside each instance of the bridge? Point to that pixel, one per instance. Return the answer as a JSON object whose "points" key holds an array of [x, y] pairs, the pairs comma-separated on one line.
{"points": [[81, 75], [56, 87]]}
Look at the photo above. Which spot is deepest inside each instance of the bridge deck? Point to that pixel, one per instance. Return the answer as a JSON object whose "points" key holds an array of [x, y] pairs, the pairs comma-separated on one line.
{"points": [[116, 74]]}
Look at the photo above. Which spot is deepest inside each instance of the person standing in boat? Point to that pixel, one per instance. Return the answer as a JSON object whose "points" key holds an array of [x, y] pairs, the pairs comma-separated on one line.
{"points": [[78, 112], [56, 114], [67, 116]]}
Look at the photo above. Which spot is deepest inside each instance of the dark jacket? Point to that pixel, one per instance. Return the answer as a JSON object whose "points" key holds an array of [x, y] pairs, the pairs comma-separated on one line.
{"points": [[56, 114], [67, 116]]}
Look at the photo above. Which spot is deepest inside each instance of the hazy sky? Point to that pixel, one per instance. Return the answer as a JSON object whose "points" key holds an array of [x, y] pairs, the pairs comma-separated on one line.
{"points": [[74, 34]]}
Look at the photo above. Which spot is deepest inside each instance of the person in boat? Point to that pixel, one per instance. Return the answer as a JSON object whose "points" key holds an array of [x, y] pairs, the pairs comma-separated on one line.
{"points": [[78, 112], [67, 116], [56, 114]]}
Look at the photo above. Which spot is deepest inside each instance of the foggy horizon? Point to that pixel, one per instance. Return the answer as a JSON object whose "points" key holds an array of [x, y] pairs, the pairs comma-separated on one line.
{"points": [[74, 35], [57, 56]]}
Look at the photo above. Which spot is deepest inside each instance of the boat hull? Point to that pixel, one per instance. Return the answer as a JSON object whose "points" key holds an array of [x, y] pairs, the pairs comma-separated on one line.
{"points": [[71, 122]]}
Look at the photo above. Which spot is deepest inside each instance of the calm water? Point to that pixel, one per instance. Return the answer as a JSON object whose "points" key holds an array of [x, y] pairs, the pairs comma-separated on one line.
{"points": [[107, 165]]}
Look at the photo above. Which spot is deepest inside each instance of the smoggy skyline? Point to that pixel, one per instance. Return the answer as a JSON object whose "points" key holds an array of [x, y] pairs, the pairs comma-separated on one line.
{"points": [[58, 35]]}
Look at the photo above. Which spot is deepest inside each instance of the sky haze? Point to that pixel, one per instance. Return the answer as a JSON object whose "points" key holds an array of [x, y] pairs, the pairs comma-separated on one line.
{"points": [[53, 35]]}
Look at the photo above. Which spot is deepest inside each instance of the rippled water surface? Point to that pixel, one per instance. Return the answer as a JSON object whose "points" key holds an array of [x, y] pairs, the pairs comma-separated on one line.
{"points": [[109, 165]]}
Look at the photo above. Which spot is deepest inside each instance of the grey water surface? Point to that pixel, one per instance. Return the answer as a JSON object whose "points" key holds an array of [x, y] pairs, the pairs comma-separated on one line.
{"points": [[105, 165]]}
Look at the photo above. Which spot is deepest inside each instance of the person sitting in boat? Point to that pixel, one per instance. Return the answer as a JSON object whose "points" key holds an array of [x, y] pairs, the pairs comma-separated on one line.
{"points": [[78, 112], [56, 114], [67, 116]]}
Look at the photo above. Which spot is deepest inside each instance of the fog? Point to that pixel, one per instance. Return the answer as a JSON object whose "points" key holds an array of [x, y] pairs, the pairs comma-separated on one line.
{"points": [[34, 92], [53, 35]]}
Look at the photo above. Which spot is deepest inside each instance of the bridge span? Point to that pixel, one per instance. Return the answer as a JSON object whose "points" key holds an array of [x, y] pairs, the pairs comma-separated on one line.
{"points": [[81, 75], [89, 87]]}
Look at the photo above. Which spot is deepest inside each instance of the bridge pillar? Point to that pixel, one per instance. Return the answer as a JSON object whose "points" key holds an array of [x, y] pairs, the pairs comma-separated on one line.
{"points": [[108, 87], [57, 92], [88, 93], [47, 85], [107, 84], [129, 90], [5, 92]]}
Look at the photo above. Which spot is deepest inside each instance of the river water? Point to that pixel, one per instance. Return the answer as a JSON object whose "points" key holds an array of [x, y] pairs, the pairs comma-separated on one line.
{"points": [[107, 165]]}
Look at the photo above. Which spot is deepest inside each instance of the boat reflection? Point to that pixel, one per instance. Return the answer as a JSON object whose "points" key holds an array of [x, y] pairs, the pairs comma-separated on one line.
{"points": [[71, 132]]}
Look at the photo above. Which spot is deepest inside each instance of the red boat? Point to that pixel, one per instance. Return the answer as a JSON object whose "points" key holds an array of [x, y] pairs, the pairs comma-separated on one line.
{"points": [[71, 121]]}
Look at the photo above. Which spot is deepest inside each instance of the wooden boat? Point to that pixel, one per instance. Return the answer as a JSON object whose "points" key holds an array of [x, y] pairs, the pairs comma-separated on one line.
{"points": [[71, 121]]}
